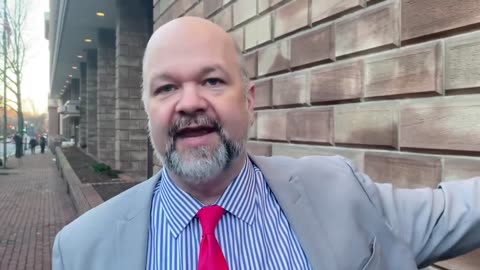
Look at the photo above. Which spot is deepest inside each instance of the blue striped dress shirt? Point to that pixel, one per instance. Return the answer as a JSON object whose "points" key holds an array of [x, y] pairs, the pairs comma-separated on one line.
{"points": [[253, 233]]}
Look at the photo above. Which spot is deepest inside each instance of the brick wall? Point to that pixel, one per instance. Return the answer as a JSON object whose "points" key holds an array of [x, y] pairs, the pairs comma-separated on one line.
{"points": [[130, 118], [92, 101], [106, 96], [392, 85]]}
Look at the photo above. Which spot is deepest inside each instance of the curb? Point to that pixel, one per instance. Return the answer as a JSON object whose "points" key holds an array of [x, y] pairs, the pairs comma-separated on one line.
{"points": [[83, 195]]}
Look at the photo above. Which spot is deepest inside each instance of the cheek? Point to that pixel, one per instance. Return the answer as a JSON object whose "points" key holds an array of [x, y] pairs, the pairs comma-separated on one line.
{"points": [[158, 124]]}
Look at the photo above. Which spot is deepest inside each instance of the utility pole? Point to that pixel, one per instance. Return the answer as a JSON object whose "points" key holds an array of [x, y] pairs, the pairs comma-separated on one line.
{"points": [[4, 84]]}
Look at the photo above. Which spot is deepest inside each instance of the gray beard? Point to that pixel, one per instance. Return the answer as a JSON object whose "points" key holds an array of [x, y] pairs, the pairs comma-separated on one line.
{"points": [[202, 164]]}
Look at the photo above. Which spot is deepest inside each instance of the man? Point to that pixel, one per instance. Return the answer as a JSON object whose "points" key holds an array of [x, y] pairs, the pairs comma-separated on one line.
{"points": [[43, 142], [18, 145], [215, 207], [33, 143]]}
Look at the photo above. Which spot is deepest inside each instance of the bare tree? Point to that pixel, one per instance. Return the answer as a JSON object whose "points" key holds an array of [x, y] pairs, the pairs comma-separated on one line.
{"points": [[14, 25]]}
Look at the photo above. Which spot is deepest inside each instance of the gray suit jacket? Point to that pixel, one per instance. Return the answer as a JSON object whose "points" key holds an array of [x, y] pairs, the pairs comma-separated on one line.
{"points": [[342, 219]]}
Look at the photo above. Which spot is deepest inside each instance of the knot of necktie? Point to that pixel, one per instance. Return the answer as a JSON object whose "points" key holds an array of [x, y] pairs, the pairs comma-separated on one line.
{"points": [[209, 217]]}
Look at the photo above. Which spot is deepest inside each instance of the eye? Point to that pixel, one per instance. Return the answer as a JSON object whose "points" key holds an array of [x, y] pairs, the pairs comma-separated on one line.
{"points": [[213, 82], [164, 89]]}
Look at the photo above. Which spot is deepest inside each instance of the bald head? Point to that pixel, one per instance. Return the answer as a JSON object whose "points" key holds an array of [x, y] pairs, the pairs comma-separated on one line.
{"points": [[185, 34], [190, 28]]}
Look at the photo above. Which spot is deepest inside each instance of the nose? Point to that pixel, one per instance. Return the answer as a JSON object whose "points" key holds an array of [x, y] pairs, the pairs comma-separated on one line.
{"points": [[191, 100]]}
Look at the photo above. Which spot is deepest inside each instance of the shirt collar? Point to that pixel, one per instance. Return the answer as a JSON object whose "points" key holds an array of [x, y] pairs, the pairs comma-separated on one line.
{"points": [[180, 208]]}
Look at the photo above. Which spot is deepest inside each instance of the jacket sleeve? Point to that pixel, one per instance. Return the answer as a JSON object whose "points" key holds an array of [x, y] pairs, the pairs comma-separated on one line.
{"points": [[437, 224], [57, 260]]}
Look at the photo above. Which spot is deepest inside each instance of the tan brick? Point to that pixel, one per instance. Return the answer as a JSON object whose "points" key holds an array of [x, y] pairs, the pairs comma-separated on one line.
{"points": [[251, 64], [272, 125], [310, 125], [313, 46], [372, 28], [417, 69], [402, 170], [291, 89], [367, 124], [252, 131], [210, 6], [184, 5], [462, 67], [274, 58], [263, 5], [156, 12], [197, 11], [298, 151], [178, 8], [420, 18], [259, 148], [461, 168], [322, 9], [162, 6], [224, 19], [325, 84], [450, 123], [278, 2], [258, 31], [244, 10], [291, 17], [263, 93], [238, 35]]}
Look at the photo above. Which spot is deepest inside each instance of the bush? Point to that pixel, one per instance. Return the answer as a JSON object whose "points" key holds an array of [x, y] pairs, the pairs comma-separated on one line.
{"points": [[105, 169]]}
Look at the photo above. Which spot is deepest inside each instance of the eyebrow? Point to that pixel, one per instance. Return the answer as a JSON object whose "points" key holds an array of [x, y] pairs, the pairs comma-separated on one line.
{"points": [[204, 71]]}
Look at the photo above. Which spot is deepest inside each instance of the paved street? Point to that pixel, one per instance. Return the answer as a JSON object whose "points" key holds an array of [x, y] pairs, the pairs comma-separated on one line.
{"points": [[33, 208]]}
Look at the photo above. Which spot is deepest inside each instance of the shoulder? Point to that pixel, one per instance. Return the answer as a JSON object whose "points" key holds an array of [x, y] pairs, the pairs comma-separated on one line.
{"points": [[317, 174], [99, 222], [326, 166]]}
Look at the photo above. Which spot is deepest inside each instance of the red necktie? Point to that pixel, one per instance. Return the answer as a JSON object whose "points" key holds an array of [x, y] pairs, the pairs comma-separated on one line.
{"points": [[211, 255]]}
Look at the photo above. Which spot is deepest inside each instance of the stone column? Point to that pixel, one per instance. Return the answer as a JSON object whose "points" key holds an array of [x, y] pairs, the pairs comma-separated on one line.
{"points": [[92, 102], [130, 118], [106, 96], [53, 123], [74, 89], [64, 126], [83, 106], [74, 96]]}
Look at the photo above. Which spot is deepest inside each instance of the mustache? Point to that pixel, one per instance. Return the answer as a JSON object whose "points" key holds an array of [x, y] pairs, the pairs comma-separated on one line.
{"points": [[198, 120]]}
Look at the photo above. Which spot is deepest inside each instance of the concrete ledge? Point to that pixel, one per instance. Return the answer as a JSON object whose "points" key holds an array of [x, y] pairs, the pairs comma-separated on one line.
{"points": [[83, 195]]}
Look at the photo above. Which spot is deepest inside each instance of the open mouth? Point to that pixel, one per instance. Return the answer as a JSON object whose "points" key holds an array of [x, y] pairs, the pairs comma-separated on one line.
{"points": [[198, 131]]}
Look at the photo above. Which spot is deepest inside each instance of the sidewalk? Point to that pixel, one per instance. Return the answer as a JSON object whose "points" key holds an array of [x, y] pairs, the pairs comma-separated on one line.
{"points": [[33, 208]]}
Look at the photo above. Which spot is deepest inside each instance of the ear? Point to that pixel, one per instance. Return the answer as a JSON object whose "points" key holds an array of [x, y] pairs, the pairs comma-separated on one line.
{"points": [[251, 101]]}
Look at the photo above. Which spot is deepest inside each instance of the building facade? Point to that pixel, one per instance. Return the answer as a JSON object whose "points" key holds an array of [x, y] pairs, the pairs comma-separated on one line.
{"points": [[393, 85], [96, 51]]}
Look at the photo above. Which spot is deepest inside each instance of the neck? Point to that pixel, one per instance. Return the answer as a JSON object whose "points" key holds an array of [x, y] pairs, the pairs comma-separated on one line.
{"points": [[209, 191]]}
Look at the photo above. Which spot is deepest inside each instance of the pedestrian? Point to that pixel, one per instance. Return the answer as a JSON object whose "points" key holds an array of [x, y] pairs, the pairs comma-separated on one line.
{"points": [[43, 142], [18, 145], [18, 139], [33, 143], [213, 206]]}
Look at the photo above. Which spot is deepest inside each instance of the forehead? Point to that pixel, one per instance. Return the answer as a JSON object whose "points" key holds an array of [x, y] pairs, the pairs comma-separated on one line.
{"points": [[187, 53]]}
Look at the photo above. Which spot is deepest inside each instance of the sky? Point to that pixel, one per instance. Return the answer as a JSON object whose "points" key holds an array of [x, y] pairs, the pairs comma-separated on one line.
{"points": [[35, 85]]}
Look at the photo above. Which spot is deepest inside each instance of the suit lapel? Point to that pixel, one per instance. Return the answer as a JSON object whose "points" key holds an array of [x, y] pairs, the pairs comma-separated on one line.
{"points": [[131, 230], [297, 207]]}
